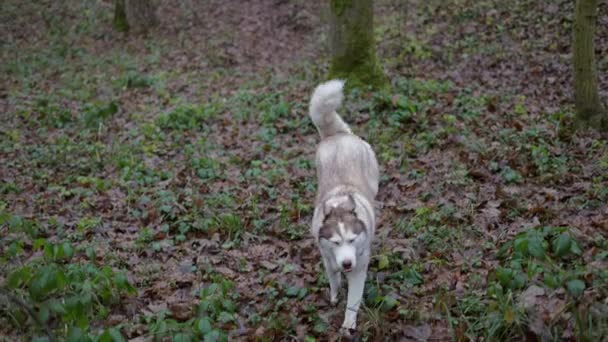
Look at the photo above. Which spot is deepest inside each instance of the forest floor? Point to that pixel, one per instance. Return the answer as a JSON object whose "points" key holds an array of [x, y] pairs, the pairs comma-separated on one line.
{"points": [[160, 186]]}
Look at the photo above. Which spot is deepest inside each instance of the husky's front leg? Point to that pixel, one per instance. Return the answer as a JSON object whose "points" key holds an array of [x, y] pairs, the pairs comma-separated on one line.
{"points": [[335, 281], [356, 283]]}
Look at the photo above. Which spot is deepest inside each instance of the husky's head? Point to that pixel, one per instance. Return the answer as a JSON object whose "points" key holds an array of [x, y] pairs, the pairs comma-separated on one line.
{"points": [[342, 233]]}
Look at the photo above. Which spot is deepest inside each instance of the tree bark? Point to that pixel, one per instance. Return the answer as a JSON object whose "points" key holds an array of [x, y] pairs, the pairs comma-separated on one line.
{"points": [[141, 15], [589, 108], [353, 50], [120, 17]]}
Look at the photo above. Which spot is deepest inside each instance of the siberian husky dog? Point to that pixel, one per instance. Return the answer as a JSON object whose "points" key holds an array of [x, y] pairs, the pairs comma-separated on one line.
{"points": [[343, 222]]}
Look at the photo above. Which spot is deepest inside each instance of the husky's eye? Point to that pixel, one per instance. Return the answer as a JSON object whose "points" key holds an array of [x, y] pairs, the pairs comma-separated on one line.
{"points": [[351, 240]]}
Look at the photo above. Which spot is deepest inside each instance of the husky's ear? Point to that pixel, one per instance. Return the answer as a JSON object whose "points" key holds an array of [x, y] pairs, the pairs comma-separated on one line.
{"points": [[326, 209], [358, 227], [325, 232], [350, 204]]}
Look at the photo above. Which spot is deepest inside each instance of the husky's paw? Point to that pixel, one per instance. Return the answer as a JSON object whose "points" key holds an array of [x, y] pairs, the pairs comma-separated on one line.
{"points": [[348, 328], [347, 332], [333, 298]]}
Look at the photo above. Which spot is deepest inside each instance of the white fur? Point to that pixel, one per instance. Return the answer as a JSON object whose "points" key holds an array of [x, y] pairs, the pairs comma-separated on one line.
{"points": [[346, 167], [335, 202], [326, 98], [346, 251], [356, 284]]}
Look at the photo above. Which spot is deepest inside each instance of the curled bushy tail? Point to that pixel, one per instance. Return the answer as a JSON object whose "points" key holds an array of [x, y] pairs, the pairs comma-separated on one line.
{"points": [[326, 98]]}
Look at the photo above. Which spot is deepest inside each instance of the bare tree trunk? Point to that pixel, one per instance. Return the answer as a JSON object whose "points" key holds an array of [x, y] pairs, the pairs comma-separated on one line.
{"points": [[120, 17], [589, 108], [353, 49], [141, 15]]}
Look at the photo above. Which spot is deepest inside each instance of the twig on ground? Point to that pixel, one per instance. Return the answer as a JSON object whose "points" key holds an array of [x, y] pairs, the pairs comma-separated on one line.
{"points": [[20, 302]]}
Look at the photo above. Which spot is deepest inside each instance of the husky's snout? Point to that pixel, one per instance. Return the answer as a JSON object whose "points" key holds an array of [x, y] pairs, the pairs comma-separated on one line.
{"points": [[346, 257], [346, 264]]}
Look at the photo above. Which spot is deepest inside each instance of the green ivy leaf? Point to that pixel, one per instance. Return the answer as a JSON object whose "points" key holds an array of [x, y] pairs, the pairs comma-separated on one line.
{"points": [[116, 335], [58, 252], [562, 245], [75, 334], [44, 313], [413, 277], [551, 280], [575, 287], [535, 247], [504, 275], [15, 222], [105, 336], [82, 321], [40, 339], [18, 277], [504, 249], [230, 306], [68, 251], [389, 303], [292, 291], [181, 337], [204, 326], [49, 253], [122, 283], [519, 281], [575, 249], [225, 317], [39, 244], [56, 306], [320, 326], [521, 246], [383, 262], [44, 281], [212, 336], [90, 253]]}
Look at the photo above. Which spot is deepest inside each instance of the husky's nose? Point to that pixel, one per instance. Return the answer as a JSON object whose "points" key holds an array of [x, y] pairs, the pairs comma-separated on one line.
{"points": [[346, 264]]}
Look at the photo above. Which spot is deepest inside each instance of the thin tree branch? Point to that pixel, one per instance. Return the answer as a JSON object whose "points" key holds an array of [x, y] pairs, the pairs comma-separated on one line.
{"points": [[20, 302]]}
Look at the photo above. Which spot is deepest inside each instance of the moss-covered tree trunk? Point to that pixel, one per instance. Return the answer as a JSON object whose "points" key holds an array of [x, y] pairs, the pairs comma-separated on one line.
{"points": [[353, 50], [135, 15], [120, 16], [589, 108]]}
